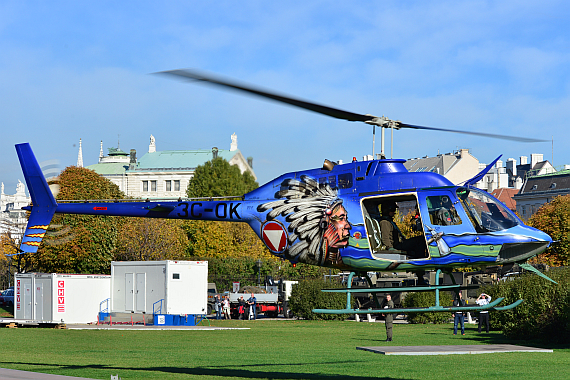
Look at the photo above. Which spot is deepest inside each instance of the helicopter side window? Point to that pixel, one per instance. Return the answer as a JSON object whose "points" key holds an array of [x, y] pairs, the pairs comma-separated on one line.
{"points": [[345, 181], [485, 212], [442, 212], [332, 181]]}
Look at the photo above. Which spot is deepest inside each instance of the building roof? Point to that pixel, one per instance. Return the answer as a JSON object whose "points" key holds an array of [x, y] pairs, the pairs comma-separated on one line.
{"points": [[547, 184], [439, 164], [108, 168], [180, 159], [164, 160], [506, 195]]}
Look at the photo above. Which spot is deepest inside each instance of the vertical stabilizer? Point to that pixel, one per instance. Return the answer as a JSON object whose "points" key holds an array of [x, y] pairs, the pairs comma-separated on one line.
{"points": [[43, 202]]}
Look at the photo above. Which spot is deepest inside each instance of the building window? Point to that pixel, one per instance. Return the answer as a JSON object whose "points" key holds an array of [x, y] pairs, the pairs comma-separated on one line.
{"points": [[168, 185], [176, 185], [553, 185], [152, 185], [144, 185]]}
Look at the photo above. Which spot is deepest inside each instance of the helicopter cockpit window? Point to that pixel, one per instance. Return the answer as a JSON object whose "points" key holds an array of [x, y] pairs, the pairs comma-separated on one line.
{"points": [[345, 180], [442, 212], [485, 212]]}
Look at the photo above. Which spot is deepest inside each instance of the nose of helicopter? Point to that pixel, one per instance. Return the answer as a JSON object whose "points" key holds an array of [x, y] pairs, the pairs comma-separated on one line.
{"points": [[534, 242]]}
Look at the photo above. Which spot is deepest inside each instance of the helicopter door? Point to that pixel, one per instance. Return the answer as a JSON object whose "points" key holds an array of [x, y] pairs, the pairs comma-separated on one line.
{"points": [[442, 215]]}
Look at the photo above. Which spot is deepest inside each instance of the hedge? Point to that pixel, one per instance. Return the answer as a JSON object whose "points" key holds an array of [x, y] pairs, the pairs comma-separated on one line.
{"points": [[307, 295], [545, 312], [425, 299]]}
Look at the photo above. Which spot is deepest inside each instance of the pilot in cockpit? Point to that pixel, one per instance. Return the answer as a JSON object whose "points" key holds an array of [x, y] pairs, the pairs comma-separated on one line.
{"points": [[392, 237]]}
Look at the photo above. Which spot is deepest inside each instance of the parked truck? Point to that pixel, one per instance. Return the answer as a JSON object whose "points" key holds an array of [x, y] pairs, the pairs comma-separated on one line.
{"points": [[212, 291], [271, 300]]}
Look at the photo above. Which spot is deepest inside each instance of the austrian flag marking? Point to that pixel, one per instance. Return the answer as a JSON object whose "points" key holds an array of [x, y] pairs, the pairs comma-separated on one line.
{"points": [[274, 236]]}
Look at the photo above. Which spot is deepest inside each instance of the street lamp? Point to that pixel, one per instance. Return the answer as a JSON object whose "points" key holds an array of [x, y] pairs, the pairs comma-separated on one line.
{"points": [[258, 262]]}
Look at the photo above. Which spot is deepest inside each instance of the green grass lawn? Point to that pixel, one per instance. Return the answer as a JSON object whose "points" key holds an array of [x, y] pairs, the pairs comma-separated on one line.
{"points": [[6, 312], [271, 350]]}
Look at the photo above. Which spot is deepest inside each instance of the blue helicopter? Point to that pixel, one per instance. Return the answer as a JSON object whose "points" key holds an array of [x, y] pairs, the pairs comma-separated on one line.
{"points": [[340, 215]]}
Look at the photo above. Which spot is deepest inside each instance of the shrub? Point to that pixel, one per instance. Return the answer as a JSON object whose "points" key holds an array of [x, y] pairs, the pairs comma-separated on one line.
{"points": [[426, 299], [307, 295], [545, 312]]}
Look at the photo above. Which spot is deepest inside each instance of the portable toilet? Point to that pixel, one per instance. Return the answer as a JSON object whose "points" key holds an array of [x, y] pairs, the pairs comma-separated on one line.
{"points": [[174, 292], [59, 298]]}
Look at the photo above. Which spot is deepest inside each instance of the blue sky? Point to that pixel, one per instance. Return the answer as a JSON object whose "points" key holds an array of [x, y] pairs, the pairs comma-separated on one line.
{"points": [[72, 70]]}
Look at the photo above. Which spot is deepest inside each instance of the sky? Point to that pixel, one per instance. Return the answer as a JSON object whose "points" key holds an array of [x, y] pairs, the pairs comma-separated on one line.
{"points": [[83, 70]]}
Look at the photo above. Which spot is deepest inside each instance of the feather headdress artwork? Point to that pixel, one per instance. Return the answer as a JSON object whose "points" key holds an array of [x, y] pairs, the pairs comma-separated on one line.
{"points": [[310, 209]]}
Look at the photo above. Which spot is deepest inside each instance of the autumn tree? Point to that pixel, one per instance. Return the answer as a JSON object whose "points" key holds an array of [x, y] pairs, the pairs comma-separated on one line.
{"points": [[554, 219], [8, 246], [80, 243], [142, 239]]}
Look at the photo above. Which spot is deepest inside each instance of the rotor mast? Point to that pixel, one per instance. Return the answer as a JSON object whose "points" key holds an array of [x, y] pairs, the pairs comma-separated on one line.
{"points": [[384, 123]]}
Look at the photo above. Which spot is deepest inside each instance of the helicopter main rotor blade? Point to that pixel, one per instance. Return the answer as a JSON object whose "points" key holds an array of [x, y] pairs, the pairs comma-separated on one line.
{"points": [[492, 135], [208, 78], [325, 110]]}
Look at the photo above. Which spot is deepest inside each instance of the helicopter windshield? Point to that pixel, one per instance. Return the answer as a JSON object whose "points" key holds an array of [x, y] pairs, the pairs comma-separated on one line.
{"points": [[485, 212]]}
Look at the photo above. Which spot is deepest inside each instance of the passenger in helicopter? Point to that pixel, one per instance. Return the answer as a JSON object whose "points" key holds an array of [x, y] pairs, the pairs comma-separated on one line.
{"points": [[393, 239]]}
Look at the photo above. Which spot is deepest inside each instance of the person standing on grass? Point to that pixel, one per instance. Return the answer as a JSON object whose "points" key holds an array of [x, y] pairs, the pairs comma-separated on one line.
{"points": [[218, 306], [458, 315], [483, 300], [252, 301], [241, 307], [227, 308], [389, 317]]}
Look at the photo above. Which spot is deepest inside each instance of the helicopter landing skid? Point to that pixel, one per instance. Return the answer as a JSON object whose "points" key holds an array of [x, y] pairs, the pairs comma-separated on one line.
{"points": [[492, 306]]}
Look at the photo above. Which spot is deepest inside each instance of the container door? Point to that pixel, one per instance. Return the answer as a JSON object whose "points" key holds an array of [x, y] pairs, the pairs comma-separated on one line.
{"points": [[129, 291], [141, 292], [38, 301], [27, 300]]}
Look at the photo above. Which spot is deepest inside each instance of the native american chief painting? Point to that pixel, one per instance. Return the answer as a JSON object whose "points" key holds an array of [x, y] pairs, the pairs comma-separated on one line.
{"points": [[318, 225]]}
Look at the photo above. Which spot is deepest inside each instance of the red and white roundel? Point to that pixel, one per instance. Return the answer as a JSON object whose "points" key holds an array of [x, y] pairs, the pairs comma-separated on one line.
{"points": [[274, 236]]}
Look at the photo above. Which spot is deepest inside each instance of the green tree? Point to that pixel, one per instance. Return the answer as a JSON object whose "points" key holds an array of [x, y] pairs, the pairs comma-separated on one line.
{"points": [[217, 178], [80, 243], [554, 219]]}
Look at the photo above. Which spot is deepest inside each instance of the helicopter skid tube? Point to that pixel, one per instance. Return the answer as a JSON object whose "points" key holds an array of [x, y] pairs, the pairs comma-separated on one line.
{"points": [[401, 289], [431, 309]]}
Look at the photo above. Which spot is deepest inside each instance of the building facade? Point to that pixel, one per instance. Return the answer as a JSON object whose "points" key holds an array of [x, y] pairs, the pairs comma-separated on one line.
{"points": [[12, 218], [540, 189], [161, 174], [457, 167]]}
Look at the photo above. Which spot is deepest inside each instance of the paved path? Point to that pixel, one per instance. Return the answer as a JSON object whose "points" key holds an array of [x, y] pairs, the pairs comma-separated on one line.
{"points": [[15, 374], [150, 327], [450, 350]]}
